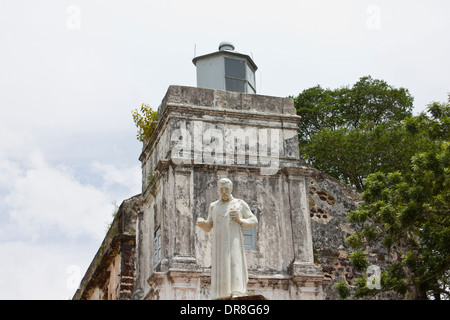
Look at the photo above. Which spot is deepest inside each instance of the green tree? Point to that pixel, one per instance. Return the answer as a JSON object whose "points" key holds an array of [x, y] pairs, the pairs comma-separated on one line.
{"points": [[409, 212], [146, 121], [352, 132], [352, 154], [347, 108]]}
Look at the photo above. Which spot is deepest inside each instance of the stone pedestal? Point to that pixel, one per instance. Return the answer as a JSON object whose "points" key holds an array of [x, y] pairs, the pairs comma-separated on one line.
{"points": [[246, 298], [175, 284], [195, 285]]}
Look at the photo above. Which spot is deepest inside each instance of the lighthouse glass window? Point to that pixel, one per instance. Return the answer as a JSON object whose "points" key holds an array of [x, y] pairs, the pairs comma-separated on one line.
{"points": [[250, 79], [236, 77]]}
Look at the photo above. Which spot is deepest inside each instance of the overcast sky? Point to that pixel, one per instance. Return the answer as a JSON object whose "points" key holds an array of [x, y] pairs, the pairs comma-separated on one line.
{"points": [[71, 72]]}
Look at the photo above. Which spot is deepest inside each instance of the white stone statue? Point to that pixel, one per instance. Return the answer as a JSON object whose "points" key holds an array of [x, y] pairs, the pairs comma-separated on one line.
{"points": [[228, 216]]}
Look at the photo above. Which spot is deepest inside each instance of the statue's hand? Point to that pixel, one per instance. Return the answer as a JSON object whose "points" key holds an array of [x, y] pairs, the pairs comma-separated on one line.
{"points": [[234, 214], [204, 225]]}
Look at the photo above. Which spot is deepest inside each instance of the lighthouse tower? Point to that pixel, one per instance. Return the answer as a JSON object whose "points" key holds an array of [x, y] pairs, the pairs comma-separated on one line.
{"points": [[226, 69]]}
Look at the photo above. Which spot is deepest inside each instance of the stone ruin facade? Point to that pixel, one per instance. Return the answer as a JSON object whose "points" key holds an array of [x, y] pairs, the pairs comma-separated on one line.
{"points": [[154, 250], [112, 273]]}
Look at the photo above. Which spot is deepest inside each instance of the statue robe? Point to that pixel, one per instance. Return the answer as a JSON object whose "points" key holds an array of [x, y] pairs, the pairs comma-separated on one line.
{"points": [[229, 268]]}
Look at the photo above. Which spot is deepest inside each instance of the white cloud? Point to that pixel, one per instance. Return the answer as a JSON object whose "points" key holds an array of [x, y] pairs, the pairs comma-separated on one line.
{"points": [[50, 197], [33, 271], [49, 219], [129, 178], [38, 196]]}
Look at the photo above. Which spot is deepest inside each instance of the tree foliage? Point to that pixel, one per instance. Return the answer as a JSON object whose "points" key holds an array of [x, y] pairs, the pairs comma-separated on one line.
{"points": [[366, 136], [347, 108], [352, 132], [146, 121], [409, 212], [352, 154]]}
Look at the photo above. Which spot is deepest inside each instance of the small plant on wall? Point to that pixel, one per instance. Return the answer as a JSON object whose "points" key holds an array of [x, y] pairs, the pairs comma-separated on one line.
{"points": [[146, 121]]}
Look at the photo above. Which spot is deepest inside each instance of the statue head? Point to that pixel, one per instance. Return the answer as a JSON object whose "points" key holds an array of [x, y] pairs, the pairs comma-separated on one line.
{"points": [[225, 187]]}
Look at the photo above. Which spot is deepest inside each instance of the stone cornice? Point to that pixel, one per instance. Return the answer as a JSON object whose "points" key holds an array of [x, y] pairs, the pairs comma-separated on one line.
{"points": [[195, 103]]}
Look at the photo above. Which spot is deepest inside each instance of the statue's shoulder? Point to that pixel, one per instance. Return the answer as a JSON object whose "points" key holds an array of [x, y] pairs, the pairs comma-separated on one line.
{"points": [[236, 200], [239, 201], [213, 204]]}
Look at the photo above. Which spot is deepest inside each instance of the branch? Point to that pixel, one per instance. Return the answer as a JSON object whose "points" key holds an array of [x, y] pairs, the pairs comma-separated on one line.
{"points": [[444, 269]]}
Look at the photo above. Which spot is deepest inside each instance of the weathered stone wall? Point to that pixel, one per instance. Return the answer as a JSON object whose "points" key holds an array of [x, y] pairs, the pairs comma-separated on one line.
{"points": [[182, 193], [202, 136], [268, 199], [221, 127], [330, 201], [111, 274]]}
